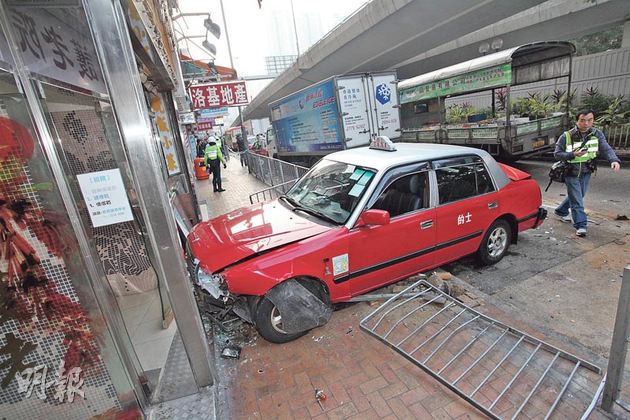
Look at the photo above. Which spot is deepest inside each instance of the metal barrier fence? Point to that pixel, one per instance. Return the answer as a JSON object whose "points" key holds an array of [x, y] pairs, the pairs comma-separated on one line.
{"points": [[618, 136], [270, 193], [279, 175]]}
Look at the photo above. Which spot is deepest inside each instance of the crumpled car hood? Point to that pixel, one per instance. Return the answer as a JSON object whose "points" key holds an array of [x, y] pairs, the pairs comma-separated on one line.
{"points": [[241, 233]]}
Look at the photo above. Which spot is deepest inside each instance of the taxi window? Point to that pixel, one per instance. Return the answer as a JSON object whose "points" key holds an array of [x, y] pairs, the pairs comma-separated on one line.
{"points": [[405, 195], [330, 190], [464, 181], [454, 161]]}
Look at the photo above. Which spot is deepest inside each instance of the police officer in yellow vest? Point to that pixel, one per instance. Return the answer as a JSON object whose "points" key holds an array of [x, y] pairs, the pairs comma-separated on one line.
{"points": [[213, 159], [581, 146]]}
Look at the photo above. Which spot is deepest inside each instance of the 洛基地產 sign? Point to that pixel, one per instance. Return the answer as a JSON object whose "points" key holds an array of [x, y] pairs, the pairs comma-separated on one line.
{"points": [[213, 95]]}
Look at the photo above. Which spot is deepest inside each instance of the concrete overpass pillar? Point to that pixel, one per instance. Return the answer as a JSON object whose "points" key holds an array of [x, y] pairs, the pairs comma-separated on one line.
{"points": [[625, 39]]}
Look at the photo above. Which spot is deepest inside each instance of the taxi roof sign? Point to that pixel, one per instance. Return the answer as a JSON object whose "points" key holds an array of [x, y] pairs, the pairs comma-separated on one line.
{"points": [[382, 143]]}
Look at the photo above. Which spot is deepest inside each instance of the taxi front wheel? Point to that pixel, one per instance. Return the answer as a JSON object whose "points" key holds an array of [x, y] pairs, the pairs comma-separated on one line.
{"points": [[269, 323], [495, 242]]}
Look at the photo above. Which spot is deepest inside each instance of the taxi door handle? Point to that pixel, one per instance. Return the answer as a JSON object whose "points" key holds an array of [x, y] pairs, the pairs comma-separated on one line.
{"points": [[426, 224], [493, 205]]}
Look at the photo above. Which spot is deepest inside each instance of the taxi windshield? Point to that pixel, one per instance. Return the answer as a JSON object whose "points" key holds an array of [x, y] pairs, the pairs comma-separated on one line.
{"points": [[330, 191]]}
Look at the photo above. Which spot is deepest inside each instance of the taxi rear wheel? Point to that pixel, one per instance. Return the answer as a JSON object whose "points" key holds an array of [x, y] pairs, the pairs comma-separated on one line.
{"points": [[495, 242], [269, 323]]}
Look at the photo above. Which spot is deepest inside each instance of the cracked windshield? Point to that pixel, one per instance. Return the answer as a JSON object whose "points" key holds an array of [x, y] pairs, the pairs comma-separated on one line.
{"points": [[331, 190]]}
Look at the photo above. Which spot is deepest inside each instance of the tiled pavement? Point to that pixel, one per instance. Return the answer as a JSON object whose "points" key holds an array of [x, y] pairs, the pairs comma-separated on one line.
{"points": [[361, 377]]}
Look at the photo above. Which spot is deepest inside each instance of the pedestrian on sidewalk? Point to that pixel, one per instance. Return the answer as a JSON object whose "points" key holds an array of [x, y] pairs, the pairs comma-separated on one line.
{"points": [[240, 142], [213, 159], [225, 149], [581, 146], [201, 146]]}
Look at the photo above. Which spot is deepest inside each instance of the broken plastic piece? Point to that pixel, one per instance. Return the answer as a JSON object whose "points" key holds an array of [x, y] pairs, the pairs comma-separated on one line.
{"points": [[231, 352]]}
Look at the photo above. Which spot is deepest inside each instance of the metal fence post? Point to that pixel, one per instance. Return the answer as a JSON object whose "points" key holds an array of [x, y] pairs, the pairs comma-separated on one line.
{"points": [[619, 345], [270, 172], [282, 180]]}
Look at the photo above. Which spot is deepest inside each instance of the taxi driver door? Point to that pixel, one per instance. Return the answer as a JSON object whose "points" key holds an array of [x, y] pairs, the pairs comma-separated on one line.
{"points": [[380, 254]]}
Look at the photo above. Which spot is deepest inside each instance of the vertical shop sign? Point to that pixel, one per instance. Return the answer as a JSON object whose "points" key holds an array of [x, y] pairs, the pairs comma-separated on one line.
{"points": [[214, 95], [166, 137], [105, 197], [54, 48]]}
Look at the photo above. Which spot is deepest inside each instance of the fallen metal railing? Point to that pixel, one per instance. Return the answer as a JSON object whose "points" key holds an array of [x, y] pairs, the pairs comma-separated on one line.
{"points": [[503, 372]]}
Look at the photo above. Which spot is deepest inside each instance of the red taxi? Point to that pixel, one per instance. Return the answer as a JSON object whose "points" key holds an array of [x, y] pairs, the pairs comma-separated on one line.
{"points": [[358, 220]]}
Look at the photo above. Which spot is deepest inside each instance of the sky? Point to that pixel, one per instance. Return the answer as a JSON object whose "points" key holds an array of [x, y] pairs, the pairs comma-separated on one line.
{"points": [[255, 32]]}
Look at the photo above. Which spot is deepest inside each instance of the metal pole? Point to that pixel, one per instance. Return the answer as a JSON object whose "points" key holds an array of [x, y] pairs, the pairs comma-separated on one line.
{"points": [[619, 345], [119, 65], [227, 38]]}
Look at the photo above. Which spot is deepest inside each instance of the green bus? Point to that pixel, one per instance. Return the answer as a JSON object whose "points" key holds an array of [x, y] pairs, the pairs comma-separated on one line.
{"points": [[499, 130]]}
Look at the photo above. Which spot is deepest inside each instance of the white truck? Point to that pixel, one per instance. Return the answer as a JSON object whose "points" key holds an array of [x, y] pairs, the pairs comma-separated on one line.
{"points": [[337, 113]]}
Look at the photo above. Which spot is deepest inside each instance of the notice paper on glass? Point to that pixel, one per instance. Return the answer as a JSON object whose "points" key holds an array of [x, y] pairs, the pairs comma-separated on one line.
{"points": [[105, 197]]}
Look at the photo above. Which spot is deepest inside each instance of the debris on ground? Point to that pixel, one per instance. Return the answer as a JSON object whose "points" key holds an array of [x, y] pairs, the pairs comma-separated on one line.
{"points": [[320, 396], [434, 280], [621, 217], [444, 275], [231, 352], [441, 280], [469, 300]]}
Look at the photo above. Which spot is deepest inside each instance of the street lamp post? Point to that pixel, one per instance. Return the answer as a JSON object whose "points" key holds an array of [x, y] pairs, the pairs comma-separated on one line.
{"points": [[227, 38]]}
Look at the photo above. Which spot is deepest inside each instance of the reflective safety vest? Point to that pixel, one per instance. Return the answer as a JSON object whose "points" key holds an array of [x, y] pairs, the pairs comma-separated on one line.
{"points": [[591, 144], [212, 153]]}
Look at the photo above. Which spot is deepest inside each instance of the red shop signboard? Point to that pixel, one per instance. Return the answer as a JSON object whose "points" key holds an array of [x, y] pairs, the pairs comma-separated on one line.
{"points": [[218, 94], [204, 126]]}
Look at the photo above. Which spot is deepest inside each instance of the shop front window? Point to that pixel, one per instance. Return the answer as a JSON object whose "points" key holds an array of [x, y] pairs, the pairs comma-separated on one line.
{"points": [[50, 337], [57, 324]]}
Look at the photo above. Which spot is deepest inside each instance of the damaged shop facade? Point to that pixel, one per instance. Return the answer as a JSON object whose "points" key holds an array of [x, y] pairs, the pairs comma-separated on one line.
{"points": [[94, 190]]}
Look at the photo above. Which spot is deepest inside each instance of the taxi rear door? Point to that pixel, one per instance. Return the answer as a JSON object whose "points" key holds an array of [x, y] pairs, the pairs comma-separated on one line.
{"points": [[467, 204]]}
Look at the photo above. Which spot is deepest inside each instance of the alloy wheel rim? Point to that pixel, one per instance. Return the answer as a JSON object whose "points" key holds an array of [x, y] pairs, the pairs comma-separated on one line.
{"points": [[497, 242], [276, 320]]}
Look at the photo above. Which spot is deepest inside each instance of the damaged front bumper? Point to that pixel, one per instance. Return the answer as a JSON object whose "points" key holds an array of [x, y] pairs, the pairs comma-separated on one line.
{"points": [[216, 286], [212, 283]]}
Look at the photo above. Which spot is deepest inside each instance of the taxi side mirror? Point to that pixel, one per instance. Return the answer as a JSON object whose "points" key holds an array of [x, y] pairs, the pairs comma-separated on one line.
{"points": [[373, 217]]}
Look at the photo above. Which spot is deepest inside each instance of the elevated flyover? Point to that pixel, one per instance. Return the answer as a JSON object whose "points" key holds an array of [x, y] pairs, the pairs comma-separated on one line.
{"points": [[418, 36], [381, 35]]}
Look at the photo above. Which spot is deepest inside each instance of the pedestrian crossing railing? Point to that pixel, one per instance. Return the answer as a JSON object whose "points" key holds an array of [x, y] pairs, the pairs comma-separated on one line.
{"points": [[270, 193], [273, 171], [617, 135], [503, 372], [279, 175]]}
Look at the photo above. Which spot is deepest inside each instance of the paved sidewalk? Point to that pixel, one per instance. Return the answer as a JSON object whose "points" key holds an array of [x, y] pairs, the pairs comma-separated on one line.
{"points": [[362, 377], [238, 185]]}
